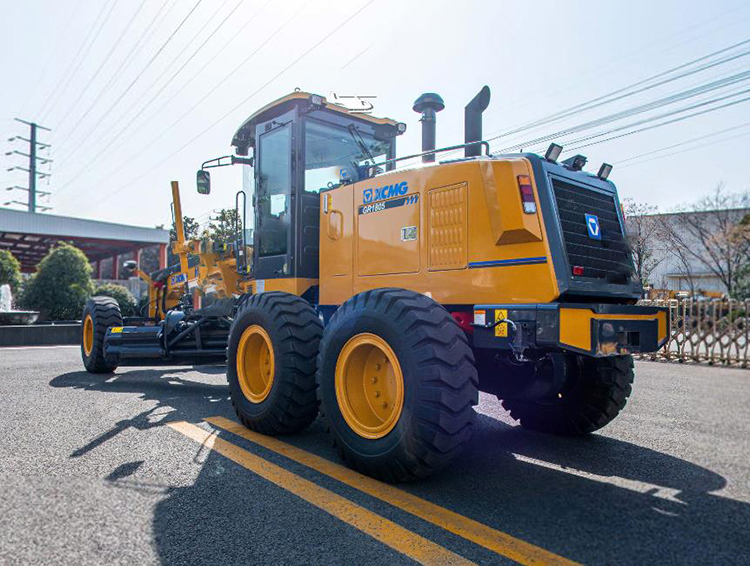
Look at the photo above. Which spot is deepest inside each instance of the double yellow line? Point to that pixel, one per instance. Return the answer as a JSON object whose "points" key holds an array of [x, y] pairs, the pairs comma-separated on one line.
{"points": [[389, 533]]}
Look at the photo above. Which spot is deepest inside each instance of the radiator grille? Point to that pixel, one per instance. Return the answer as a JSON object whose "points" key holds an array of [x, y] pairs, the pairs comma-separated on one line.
{"points": [[608, 258]]}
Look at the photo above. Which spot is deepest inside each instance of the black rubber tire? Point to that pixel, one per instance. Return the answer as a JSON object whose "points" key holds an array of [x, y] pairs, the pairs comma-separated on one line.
{"points": [[104, 312], [294, 330], [594, 396], [440, 384]]}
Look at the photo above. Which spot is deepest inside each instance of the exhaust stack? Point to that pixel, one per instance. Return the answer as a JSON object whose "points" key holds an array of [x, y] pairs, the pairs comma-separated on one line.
{"points": [[473, 121], [429, 104]]}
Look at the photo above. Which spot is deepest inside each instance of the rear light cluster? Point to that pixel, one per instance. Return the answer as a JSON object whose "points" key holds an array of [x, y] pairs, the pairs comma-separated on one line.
{"points": [[527, 194], [577, 270]]}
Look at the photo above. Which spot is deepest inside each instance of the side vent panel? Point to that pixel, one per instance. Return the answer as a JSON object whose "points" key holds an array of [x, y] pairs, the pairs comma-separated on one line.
{"points": [[447, 231]]}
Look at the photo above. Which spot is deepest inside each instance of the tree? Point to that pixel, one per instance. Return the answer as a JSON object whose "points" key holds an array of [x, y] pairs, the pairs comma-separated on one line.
{"points": [[742, 289], [190, 227], [10, 271], [121, 294], [61, 284], [150, 259], [643, 233], [711, 235], [224, 226]]}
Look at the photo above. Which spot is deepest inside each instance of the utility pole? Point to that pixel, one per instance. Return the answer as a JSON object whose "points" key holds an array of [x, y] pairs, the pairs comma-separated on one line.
{"points": [[33, 159], [32, 168]]}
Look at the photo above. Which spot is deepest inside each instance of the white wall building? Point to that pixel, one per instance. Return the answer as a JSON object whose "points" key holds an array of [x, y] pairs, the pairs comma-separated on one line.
{"points": [[680, 270]]}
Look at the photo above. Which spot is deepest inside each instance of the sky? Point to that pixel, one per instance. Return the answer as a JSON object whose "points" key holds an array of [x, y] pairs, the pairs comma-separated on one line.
{"points": [[138, 93]]}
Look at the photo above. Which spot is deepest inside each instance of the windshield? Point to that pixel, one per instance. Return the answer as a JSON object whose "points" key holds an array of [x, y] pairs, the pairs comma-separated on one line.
{"points": [[333, 152]]}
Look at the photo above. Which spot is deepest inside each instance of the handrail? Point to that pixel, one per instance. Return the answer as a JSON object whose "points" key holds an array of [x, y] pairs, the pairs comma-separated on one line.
{"points": [[239, 232], [483, 143]]}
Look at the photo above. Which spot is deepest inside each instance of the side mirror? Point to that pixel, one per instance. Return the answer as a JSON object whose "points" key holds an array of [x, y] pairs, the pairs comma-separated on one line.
{"points": [[130, 265], [203, 181]]}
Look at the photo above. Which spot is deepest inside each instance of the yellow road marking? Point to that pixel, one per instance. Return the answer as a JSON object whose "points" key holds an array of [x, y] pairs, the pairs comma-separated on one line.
{"points": [[389, 533], [492, 539]]}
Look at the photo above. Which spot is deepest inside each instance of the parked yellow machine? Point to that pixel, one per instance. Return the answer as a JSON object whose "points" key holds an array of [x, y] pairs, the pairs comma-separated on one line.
{"points": [[386, 298]]}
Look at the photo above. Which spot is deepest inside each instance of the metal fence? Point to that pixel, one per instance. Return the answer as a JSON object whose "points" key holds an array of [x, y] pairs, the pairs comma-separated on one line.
{"points": [[713, 331]]}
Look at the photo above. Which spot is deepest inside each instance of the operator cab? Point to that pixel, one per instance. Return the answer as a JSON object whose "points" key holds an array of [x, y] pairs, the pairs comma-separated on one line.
{"points": [[301, 145]]}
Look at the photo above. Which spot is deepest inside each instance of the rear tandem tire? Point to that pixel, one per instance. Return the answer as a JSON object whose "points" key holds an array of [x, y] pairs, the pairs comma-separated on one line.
{"points": [[99, 314], [397, 383], [271, 354], [594, 397]]}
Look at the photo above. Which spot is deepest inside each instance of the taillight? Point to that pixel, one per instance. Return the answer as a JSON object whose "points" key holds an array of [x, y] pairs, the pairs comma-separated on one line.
{"points": [[577, 270], [527, 194]]}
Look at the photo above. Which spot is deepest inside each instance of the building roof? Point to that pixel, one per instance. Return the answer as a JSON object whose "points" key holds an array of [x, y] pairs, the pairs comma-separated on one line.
{"points": [[28, 236]]}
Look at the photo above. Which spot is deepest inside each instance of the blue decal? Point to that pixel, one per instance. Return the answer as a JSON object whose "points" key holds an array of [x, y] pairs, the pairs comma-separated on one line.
{"points": [[506, 262], [592, 225], [385, 192], [385, 205], [177, 279]]}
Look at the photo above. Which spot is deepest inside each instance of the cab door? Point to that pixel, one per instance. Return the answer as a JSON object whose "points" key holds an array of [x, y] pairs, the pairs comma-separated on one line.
{"points": [[273, 199]]}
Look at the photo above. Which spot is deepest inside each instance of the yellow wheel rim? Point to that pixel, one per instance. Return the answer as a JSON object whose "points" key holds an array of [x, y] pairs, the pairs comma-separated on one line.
{"points": [[88, 335], [255, 363], [369, 386]]}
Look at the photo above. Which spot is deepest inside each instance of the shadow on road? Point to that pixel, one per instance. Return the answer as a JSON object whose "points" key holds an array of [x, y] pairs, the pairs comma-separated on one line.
{"points": [[179, 398], [642, 506]]}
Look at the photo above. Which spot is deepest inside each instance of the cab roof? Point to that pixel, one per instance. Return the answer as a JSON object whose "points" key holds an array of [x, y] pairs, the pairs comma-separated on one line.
{"points": [[244, 137]]}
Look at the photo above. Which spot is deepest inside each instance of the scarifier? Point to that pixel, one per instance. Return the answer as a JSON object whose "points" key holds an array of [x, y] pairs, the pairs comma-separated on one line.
{"points": [[386, 295]]}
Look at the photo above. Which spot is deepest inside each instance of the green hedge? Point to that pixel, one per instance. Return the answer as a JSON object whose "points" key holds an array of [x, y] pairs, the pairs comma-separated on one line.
{"points": [[122, 295], [60, 286]]}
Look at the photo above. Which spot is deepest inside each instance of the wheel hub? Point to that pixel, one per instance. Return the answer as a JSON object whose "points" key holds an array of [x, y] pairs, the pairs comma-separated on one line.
{"points": [[369, 386], [88, 335], [255, 363]]}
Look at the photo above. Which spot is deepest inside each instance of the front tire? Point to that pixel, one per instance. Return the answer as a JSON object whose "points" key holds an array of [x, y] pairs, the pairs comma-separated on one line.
{"points": [[397, 384], [595, 394], [99, 314], [273, 345]]}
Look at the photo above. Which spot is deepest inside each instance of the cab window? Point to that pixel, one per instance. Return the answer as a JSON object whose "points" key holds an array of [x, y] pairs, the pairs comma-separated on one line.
{"points": [[333, 152], [274, 191]]}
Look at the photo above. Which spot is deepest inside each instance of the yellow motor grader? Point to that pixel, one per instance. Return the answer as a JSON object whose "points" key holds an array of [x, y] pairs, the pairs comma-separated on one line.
{"points": [[385, 294]]}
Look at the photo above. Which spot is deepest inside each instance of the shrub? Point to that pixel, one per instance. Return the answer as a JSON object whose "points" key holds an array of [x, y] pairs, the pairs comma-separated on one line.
{"points": [[10, 271], [61, 284], [120, 294]]}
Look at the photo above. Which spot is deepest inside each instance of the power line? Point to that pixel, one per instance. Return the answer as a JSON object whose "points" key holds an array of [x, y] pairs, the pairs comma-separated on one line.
{"points": [[659, 103], [246, 99], [144, 107], [685, 142], [701, 146], [137, 46], [603, 70], [57, 93], [48, 60], [669, 122], [189, 111], [112, 49], [66, 74], [152, 59], [199, 72], [627, 91]]}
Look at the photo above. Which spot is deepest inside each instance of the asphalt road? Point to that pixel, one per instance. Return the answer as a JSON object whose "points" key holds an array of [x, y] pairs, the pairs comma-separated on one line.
{"points": [[91, 472]]}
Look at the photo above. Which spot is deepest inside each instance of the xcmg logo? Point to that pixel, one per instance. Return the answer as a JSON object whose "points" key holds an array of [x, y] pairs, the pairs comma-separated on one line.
{"points": [[388, 191]]}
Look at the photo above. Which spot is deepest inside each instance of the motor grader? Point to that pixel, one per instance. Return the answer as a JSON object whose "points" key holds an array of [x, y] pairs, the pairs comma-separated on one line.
{"points": [[384, 293]]}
